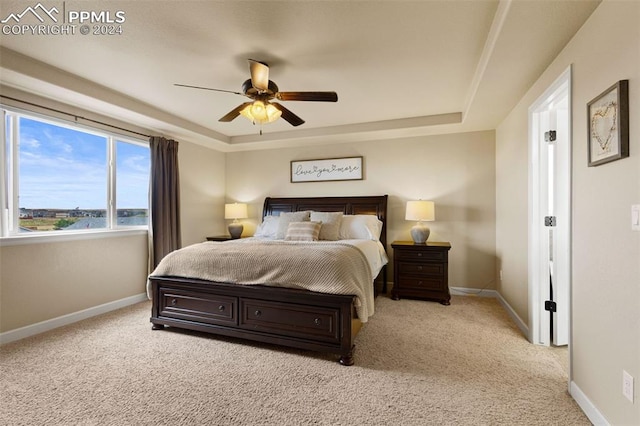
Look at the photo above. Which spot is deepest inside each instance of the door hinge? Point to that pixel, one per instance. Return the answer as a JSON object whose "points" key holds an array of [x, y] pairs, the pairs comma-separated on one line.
{"points": [[550, 136], [549, 221], [550, 305]]}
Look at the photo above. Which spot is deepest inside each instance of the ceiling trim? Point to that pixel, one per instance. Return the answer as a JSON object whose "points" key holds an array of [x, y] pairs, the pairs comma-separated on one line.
{"points": [[44, 80], [110, 102], [489, 47], [385, 125]]}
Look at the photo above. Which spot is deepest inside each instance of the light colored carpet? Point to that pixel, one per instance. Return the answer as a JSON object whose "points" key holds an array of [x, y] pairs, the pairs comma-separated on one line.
{"points": [[417, 363]]}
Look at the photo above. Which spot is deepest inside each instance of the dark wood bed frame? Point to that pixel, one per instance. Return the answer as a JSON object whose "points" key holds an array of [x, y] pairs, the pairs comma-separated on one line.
{"points": [[283, 316]]}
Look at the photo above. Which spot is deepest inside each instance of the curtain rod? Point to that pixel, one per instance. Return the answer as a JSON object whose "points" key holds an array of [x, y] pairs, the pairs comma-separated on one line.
{"points": [[75, 116]]}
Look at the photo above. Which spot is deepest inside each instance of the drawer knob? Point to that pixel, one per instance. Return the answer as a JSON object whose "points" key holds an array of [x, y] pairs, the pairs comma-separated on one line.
{"points": [[257, 313], [317, 321], [221, 308], [419, 282], [419, 268], [174, 302], [419, 254]]}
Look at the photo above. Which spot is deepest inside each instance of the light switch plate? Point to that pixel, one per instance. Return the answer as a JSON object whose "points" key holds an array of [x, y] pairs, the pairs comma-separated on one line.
{"points": [[635, 217], [627, 385]]}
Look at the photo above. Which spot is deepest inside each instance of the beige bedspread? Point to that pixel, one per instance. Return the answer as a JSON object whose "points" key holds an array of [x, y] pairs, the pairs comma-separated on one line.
{"points": [[325, 267]]}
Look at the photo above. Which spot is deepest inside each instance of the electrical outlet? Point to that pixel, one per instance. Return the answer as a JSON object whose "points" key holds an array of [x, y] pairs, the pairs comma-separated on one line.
{"points": [[627, 385]]}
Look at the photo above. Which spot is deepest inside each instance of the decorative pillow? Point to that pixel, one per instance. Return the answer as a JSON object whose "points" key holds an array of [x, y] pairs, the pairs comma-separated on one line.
{"points": [[268, 228], [331, 221], [287, 218], [303, 231], [360, 227]]}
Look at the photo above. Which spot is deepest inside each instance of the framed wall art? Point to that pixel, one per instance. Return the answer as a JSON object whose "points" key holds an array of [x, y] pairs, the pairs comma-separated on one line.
{"points": [[608, 121], [327, 169]]}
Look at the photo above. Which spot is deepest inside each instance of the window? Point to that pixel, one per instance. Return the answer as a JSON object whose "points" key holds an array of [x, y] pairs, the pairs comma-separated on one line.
{"points": [[62, 177]]}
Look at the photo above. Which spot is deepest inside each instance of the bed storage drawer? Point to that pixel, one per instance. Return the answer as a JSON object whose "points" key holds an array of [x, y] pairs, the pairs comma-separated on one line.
{"points": [[290, 319], [206, 308], [283, 316]]}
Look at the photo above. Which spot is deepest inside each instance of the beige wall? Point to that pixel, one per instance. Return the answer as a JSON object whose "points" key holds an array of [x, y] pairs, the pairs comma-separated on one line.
{"points": [[457, 171], [605, 300], [512, 199], [39, 282], [42, 281], [202, 186], [479, 183]]}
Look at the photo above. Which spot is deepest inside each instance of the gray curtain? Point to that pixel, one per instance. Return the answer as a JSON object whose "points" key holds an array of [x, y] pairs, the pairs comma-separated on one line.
{"points": [[164, 200]]}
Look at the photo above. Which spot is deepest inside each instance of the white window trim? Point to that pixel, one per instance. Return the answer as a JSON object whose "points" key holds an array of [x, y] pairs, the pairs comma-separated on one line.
{"points": [[8, 215], [43, 238]]}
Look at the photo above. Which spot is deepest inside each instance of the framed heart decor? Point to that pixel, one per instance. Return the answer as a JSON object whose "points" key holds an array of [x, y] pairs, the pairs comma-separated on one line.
{"points": [[608, 121]]}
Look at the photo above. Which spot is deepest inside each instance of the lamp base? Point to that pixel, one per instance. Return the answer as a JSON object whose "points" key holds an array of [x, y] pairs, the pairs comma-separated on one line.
{"points": [[420, 233], [235, 230]]}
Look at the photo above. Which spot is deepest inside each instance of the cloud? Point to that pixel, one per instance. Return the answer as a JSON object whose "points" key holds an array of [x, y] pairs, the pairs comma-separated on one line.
{"points": [[29, 143], [65, 168]]}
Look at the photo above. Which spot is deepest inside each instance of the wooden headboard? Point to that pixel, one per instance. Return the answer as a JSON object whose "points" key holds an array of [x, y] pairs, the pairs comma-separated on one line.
{"points": [[375, 205]]}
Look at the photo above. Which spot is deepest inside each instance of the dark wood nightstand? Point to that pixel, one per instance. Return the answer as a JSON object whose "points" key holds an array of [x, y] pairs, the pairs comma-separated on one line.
{"points": [[421, 271], [220, 238]]}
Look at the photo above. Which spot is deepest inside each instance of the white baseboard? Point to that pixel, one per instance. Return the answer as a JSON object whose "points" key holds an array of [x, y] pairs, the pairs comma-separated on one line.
{"points": [[41, 327], [590, 410], [463, 291], [524, 329]]}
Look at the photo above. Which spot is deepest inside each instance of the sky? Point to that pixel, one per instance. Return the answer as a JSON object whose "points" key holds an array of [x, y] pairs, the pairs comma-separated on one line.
{"points": [[62, 168]]}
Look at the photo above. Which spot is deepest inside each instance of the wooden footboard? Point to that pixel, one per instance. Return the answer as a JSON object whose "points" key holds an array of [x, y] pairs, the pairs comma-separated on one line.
{"points": [[283, 316]]}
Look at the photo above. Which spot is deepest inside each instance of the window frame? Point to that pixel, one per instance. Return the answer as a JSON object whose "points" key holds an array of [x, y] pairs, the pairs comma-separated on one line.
{"points": [[9, 182]]}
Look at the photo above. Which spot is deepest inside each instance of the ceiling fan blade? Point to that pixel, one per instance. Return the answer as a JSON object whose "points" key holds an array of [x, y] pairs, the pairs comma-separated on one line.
{"points": [[290, 117], [234, 112], [207, 88], [308, 96], [259, 75]]}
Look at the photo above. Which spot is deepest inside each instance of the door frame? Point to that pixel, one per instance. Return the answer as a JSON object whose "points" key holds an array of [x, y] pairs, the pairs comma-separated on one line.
{"points": [[539, 324]]}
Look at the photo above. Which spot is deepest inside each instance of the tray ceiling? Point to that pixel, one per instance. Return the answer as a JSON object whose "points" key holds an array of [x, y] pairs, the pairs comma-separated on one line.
{"points": [[399, 67]]}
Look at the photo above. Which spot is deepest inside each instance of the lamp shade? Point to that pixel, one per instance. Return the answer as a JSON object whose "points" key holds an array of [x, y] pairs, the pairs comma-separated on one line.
{"points": [[235, 211], [261, 112], [421, 210]]}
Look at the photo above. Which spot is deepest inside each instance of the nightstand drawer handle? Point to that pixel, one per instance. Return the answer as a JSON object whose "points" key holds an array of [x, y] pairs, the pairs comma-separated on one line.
{"points": [[221, 308], [317, 321], [419, 254], [419, 282], [257, 313], [174, 302], [419, 268]]}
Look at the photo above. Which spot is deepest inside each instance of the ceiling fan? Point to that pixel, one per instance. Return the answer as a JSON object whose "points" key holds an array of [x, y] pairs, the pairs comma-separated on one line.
{"points": [[262, 91]]}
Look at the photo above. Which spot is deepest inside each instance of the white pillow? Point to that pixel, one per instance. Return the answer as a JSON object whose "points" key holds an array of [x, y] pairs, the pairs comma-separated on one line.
{"points": [[268, 228], [330, 229], [303, 231], [287, 218], [360, 227]]}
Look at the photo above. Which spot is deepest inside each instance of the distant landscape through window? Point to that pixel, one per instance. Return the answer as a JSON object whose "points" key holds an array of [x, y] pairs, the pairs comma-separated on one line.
{"points": [[62, 177]]}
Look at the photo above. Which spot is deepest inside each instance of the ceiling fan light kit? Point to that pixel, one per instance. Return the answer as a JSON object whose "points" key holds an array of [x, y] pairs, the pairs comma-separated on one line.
{"points": [[261, 113], [262, 90]]}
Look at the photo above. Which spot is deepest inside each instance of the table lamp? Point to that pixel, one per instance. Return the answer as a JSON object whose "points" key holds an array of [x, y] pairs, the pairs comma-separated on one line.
{"points": [[235, 211], [421, 211]]}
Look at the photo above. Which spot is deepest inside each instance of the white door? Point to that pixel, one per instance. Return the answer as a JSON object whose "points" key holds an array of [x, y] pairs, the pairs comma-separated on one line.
{"points": [[550, 215]]}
